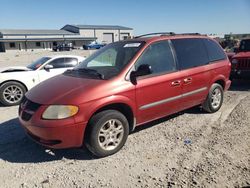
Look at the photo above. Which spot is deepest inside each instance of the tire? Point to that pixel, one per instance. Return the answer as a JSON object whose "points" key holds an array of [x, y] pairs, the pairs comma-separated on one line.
{"points": [[10, 99], [100, 134], [214, 99]]}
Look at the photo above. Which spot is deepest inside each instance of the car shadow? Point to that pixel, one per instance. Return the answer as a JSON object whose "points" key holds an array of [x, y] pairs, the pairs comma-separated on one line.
{"points": [[193, 110], [240, 85], [154, 123], [16, 147]]}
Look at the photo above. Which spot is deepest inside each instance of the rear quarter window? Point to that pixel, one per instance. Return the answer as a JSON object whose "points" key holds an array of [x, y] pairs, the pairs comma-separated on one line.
{"points": [[190, 53], [215, 52]]}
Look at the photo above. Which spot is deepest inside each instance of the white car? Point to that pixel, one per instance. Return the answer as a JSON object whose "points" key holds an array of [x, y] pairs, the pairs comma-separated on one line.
{"points": [[15, 81]]}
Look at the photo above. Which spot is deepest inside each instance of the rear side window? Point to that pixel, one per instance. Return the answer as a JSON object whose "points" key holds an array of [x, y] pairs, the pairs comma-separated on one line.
{"points": [[159, 56], [214, 51], [190, 53]]}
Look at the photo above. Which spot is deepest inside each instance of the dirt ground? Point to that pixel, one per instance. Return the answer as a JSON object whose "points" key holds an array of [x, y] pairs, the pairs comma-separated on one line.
{"points": [[188, 149]]}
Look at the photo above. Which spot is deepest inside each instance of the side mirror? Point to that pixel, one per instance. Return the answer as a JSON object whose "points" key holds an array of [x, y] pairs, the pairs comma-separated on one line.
{"points": [[142, 70], [48, 67]]}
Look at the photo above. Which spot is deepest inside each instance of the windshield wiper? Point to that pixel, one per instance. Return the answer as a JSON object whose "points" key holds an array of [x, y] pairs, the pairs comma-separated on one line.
{"points": [[89, 71]]}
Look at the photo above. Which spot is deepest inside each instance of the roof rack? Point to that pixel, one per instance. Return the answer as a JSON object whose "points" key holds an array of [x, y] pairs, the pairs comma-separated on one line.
{"points": [[160, 33], [188, 34], [166, 33]]}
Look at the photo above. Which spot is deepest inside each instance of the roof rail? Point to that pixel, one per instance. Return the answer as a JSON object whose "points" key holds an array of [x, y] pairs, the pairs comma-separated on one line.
{"points": [[151, 34], [188, 34]]}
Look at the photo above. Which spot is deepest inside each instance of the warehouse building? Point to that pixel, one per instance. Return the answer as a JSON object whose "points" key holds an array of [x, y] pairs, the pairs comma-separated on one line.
{"points": [[102, 33], [30, 40], [77, 35]]}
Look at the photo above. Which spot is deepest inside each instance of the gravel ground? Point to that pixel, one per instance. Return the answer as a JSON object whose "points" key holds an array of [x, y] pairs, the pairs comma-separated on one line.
{"points": [[188, 149]]}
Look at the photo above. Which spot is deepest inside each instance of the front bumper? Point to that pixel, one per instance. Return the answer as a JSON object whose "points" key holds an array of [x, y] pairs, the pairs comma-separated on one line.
{"points": [[57, 138], [57, 134]]}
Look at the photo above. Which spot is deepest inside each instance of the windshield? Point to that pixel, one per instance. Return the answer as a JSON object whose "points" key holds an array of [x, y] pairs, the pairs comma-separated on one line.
{"points": [[35, 65], [108, 61], [244, 46]]}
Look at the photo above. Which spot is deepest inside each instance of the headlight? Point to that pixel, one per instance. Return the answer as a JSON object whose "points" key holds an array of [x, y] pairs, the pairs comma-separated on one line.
{"points": [[59, 111], [234, 61]]}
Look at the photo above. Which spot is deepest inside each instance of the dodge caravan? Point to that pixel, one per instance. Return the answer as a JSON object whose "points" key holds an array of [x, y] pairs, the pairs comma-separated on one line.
{"points": [[123, 85]]}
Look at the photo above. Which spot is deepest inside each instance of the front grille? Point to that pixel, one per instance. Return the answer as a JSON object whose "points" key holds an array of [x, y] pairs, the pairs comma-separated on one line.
{"points": [[243, 64], [27, 108]]}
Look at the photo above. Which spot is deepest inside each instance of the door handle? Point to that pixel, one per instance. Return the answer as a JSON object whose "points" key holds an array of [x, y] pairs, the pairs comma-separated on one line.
{"points": [[176, 83], [187, 80]]}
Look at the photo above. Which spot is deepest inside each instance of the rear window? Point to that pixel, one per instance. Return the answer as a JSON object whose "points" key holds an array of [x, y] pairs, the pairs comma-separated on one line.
{"points": [[214, 51], [190, 53]]}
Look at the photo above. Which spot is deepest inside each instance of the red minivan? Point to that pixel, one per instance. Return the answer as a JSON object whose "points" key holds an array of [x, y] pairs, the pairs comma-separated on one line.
{"points": [[124, 85]]}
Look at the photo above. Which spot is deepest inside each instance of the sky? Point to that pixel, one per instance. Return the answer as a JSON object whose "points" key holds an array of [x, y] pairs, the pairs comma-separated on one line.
{"points": [[144, 16]]}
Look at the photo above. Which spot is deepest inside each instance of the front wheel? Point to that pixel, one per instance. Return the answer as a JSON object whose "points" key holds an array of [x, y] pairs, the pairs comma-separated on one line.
{"points": [[214, 99], [11, 93], [106, 133]]}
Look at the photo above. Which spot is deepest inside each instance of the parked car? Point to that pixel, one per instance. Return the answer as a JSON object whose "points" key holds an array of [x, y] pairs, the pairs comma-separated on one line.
{"points": [[124, 85], [15, 81], [93, 45], [241, 61], [62, 47]]}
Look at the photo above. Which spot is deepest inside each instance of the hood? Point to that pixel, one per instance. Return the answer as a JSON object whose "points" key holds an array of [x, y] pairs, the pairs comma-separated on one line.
{"points": [[14, 69], [63, 89], [242, 55]]}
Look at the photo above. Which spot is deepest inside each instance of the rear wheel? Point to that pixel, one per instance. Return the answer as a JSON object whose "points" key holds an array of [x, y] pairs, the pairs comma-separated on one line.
{"points": [[107, 133], [214, 99], [11, 93]]}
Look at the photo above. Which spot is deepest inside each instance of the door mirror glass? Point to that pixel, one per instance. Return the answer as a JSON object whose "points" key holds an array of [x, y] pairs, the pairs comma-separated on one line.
{"points": [[47, 67]]}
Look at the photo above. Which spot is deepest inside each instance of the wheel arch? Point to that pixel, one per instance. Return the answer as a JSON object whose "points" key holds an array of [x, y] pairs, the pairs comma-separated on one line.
{"points": [[221, 80], [6, 81], [124, 106]]}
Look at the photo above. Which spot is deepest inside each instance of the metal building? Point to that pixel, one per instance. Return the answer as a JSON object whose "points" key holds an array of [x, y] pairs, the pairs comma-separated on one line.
{"points": [[102, 33], [30, 40]]}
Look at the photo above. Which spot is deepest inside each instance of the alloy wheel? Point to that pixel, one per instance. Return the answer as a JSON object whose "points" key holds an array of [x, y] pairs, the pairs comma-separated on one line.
{"points": [[12, 94], [110, 134]]}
